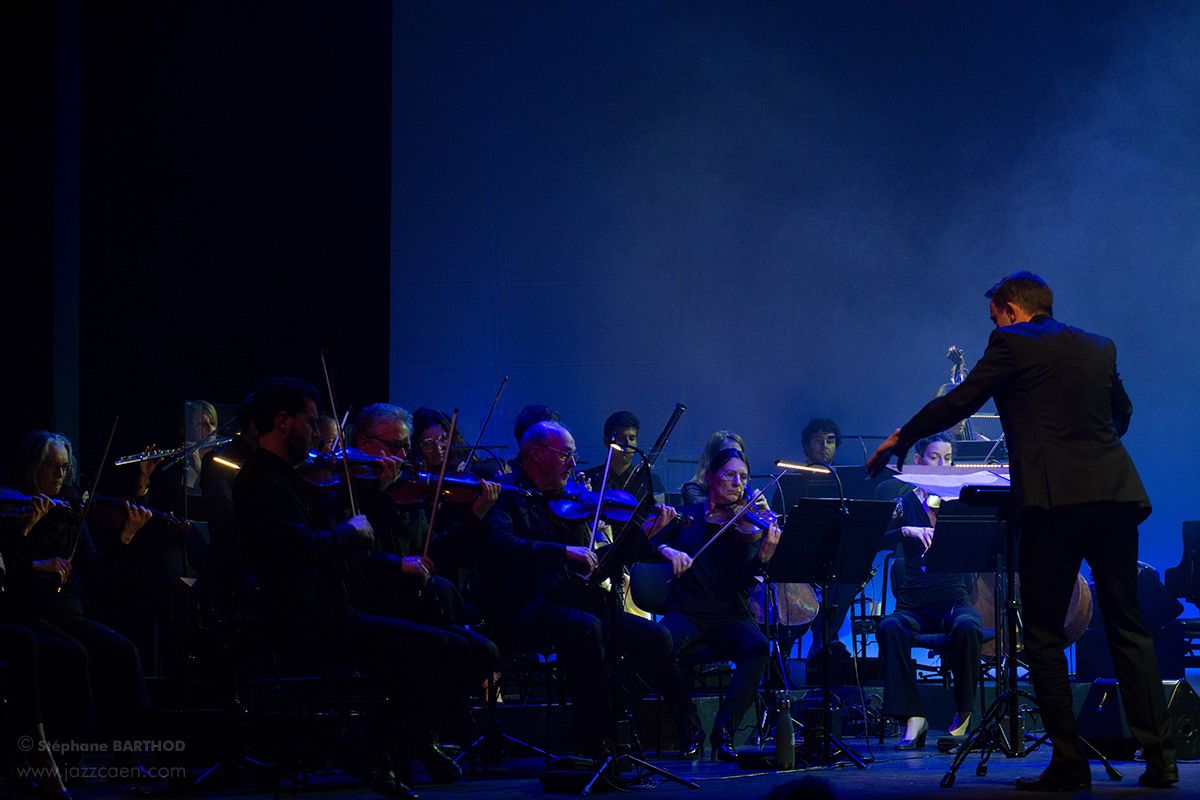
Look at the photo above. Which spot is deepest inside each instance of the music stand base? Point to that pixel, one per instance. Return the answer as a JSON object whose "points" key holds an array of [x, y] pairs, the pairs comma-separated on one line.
{"points": [[991, 737], [610, 769]]}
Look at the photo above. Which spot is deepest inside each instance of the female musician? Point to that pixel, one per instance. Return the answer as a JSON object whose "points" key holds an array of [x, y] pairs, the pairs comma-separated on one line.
{"points": [[707, 602], [42, 549], [926, 603], [696, 490]]}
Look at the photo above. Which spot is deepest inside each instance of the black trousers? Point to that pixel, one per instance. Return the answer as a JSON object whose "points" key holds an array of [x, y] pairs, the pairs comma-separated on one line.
{"points": [[115, 687], [1053, 541], [963, 628], [735, 638], [575, 625]]}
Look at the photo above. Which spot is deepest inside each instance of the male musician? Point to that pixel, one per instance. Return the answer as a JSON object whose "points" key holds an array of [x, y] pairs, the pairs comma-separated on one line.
{"points": [[926, 602], [534, 573], [304, 567], [820, 437], [1078, 495], [418, 594], [622, 428]]}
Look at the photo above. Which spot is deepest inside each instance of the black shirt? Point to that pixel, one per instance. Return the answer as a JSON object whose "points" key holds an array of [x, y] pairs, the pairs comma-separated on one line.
{"points": [[719, 581]]}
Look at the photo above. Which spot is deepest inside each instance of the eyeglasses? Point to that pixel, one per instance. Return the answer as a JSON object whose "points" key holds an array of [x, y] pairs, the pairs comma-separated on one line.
{"points": [[61, 469], [428, 444], [728, 475], [393, 445], [565, 456]]}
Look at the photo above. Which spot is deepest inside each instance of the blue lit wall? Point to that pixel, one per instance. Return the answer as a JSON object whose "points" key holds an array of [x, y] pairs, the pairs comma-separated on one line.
{"points": [[785, 210]]}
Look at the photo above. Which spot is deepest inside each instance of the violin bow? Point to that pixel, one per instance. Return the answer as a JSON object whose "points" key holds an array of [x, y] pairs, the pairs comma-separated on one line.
{"points": [[482, 428], [612, 447], [437, 492], [345, 456], [87, 500]]}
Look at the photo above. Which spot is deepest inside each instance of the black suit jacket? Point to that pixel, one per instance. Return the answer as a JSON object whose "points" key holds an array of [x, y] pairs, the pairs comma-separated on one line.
{"points": [[1063, 408]]}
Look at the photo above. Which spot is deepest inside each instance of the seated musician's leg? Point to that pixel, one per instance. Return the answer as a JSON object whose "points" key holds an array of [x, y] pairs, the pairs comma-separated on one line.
{"points": [[900, 697], [675, 683], [961, 655], [743, 642]]}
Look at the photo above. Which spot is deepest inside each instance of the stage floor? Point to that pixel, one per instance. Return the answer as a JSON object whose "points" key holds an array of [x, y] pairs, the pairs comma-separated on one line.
{"points": [[892, 775]]}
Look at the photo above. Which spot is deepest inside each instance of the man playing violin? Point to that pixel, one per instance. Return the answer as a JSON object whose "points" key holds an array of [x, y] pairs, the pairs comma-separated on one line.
{"points": [[536, 593], [708, 600], [418, 594], [305, 564]]}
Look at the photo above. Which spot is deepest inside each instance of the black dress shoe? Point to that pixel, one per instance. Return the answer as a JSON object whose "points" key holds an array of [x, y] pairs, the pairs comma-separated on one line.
{"points": [[1159, 777], [722, 744], [917, 742], [441, 767], [1058, 779], [693, 747]]}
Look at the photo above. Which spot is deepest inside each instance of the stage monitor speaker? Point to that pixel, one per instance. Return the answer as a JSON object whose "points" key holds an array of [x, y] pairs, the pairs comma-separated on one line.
{"points": [[1102, 719]]}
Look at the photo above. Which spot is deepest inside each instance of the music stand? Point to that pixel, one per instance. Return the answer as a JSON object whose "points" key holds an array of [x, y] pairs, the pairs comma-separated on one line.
{"points": [[824, 542], [1005, 710]]}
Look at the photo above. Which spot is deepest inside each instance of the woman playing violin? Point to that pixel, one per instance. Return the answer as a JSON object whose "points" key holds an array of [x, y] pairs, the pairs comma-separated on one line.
{"points": [[42, 548], [708, 599]]}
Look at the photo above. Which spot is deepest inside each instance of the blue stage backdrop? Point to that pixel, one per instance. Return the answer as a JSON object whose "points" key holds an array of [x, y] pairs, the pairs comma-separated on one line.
{"points": [[773, 211]]}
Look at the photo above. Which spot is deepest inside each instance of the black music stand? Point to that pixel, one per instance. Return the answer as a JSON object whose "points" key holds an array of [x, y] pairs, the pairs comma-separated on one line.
{"points": [[1001, 728], [824, 542]]}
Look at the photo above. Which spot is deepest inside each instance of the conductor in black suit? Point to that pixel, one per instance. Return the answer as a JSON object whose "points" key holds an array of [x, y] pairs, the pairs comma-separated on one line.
{"points": [[1078, 496]]}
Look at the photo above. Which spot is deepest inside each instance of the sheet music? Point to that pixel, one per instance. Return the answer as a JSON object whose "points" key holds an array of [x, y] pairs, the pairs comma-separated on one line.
{"points": [[948, 485]]}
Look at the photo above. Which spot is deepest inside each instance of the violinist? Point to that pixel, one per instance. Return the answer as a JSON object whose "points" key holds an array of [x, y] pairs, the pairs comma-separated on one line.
{"points": [[420, 594], [535, 595], [696, 490], [50, 554], [926, 603], [303, 561], [460, 531], [527, 417], [622, 429], [708, 602]]}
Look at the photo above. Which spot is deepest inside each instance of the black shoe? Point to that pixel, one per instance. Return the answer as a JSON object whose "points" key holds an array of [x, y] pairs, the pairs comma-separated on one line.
{"points": [[722, 745], [693, 746], [383, 782], [441, 767], [917, 742], [1059, 779], [1159, 777]]}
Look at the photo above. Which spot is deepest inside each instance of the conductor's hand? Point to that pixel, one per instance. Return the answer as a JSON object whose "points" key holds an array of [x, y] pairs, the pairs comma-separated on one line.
{"points": [[922, 535], [582, 556], [889, 448], [770, 540], [680, 562], [662, 517]]}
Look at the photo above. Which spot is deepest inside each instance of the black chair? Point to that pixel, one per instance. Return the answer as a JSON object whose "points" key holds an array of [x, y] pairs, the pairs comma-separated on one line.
{"points": [[650, 589]]}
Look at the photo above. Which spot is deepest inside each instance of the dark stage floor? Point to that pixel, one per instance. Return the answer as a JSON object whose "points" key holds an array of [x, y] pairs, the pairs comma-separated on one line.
{"points": [[892, 775]]}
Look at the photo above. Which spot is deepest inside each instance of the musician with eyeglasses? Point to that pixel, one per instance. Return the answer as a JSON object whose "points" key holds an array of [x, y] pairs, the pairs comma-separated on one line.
{"points": [[51, 561], [708, 603], [535, 593]]}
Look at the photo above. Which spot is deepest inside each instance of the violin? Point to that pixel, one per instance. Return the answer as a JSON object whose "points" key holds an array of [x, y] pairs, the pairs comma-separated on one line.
{"points": [[326, 469], [460, 487], [580, 503], [749, 526], [104, 509]]}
